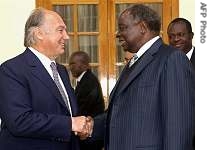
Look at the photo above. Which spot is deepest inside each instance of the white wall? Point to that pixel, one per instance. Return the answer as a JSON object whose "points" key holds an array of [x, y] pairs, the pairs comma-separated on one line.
{"points": [[14, 14], [13, 17], [187, 10]]}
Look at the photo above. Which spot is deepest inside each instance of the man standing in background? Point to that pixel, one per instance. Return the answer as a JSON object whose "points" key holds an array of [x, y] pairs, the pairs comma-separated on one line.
{"points": [[88, 92], [180, 36]]}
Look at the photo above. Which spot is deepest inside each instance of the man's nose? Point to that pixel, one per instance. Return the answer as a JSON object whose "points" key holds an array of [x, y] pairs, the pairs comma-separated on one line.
{"points": [[117, 34], [66, 36]]}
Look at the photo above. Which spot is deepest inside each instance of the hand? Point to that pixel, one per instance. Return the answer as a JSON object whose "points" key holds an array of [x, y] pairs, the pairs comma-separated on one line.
{"points": [[82, 126], [79, 124], [89, 124]]}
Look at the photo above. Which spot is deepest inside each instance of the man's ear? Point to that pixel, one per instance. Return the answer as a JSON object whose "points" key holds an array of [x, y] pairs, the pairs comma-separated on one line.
{"points": [[143, 27], [192, 35], [38, 33]]}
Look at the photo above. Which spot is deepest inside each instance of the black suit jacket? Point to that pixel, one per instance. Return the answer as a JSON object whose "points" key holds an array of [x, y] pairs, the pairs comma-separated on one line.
{"points": [[192, 59], [89, 95]]}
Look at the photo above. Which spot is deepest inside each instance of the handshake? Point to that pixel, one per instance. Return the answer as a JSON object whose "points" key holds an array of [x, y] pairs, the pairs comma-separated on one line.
{"points": [[82, 126]]}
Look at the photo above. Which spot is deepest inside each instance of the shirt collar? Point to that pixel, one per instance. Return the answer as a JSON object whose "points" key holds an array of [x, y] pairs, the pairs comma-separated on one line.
{"points": [[44, 59], [146, 46], [189, 54], [80, 77]]}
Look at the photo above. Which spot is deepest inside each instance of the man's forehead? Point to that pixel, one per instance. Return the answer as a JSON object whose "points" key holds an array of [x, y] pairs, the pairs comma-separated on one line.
{"points": [[180, 24]]}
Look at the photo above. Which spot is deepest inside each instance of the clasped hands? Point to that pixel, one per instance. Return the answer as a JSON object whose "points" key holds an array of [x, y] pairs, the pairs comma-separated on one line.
{"points": [[82, 126]]}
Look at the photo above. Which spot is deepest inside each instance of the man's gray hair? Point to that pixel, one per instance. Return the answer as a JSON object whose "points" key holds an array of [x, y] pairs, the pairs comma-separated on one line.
{"points": [[36, 19], [141, 12]]}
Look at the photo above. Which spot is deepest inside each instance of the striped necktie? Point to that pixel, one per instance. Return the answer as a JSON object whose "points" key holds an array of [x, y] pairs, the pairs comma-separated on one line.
{"points": [[133, 60], [58, 84]]}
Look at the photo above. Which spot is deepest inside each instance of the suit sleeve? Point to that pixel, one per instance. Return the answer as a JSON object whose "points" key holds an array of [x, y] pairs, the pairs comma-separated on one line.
{"points": [[99, 127], [177, 101]]}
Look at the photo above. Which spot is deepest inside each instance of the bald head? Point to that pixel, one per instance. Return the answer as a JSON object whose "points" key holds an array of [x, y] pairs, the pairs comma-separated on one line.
{"points": [[78, 63]]}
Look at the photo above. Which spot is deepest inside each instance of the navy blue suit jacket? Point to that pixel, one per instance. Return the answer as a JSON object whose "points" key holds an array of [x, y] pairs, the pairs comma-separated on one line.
{"points": [[154, 107], [34, 115]]}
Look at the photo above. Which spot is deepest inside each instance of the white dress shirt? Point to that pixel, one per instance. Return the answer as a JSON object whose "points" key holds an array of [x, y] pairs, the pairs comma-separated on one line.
{"points": [[189, 54]]}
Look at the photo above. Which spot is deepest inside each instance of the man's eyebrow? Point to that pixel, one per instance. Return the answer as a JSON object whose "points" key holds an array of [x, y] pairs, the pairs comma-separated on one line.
{"points": [[61, 27]]}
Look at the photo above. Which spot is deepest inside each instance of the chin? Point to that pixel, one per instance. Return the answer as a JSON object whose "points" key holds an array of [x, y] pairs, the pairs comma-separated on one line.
{"points": [[125, 48], [62, 51], [180, 48]]}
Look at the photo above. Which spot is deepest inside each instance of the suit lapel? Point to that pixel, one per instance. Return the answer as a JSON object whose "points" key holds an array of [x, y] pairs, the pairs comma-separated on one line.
{"points": [[80, 85], [65, 78], [117, 83], [192, 59], [139, 67], [39, 71]]}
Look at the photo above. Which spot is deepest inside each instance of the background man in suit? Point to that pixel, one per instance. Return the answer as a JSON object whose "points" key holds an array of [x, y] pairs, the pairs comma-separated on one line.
{"points": [[88, 92], [180, 35], [152, 103], [38, 106]]}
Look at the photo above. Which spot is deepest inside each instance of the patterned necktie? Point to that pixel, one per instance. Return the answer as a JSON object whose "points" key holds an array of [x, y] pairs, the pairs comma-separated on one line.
{"points": [[133, 60], [58, 84]]}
